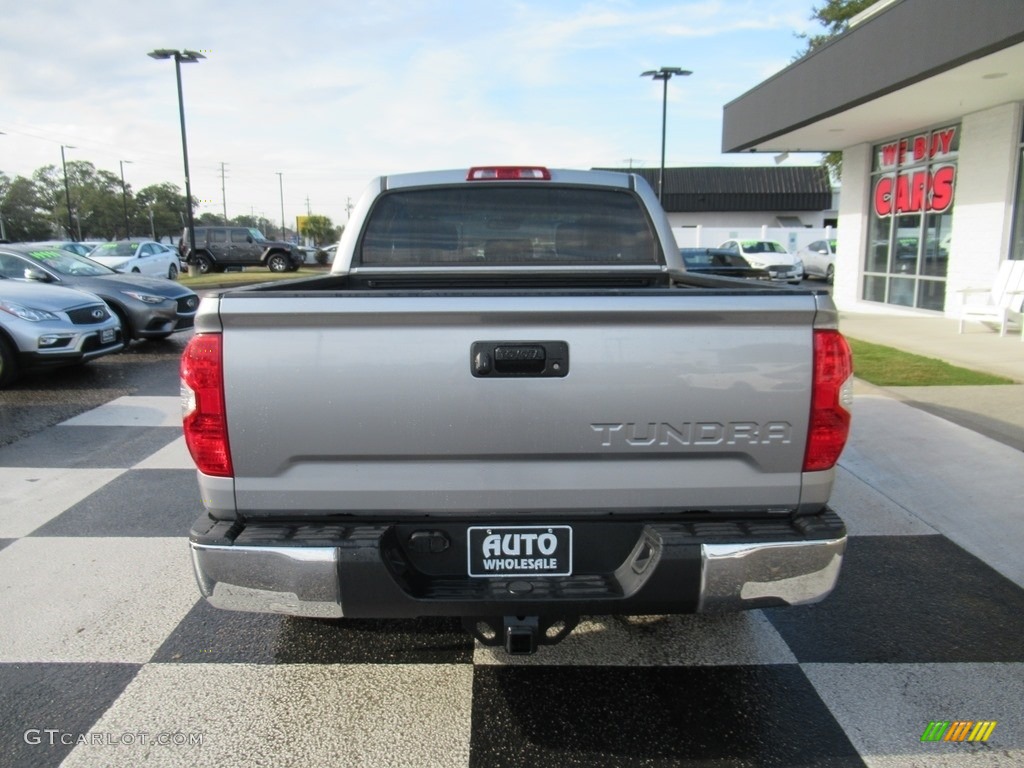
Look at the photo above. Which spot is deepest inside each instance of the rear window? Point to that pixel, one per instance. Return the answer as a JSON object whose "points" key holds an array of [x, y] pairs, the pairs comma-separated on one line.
{"points": [[504, 225]]}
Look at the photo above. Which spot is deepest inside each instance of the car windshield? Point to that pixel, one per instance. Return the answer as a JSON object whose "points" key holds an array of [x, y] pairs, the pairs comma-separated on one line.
{"points": [[257, 235], [127, 250], [66, 263], [762, 246]]}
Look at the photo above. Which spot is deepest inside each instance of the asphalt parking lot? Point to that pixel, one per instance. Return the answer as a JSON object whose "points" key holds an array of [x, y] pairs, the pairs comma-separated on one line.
{"points": [[108, 657], [44, 398]]}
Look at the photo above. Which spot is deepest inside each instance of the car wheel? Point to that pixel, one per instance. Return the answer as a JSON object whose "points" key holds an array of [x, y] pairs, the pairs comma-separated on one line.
{"points": [[277, 263], [126, 329], [135, 271], [172, 272], [830, 273], [8, 364], [202, 264]]}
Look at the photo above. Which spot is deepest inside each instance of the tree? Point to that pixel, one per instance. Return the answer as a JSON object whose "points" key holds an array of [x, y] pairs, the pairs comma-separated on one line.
{"points": [[96, 206], [250, 222], [163, 206], [835, 17], [210, 220], [24, 212], [319, 229]]}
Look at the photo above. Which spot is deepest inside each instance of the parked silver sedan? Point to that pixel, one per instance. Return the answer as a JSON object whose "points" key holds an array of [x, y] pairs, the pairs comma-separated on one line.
{"points": [[820, 259], [148, 307], [46, 326]]}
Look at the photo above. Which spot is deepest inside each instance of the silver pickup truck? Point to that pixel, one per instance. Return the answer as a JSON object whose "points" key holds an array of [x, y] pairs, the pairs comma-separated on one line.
{"points": [[509, 402]]}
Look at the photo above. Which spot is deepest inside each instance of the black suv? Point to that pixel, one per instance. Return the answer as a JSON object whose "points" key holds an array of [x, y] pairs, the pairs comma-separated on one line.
{"points": [[218, 248]]}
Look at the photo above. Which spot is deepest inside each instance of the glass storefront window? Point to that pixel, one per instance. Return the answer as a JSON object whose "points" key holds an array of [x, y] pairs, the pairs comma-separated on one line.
{"points": [[878, 246], [913, 181]]}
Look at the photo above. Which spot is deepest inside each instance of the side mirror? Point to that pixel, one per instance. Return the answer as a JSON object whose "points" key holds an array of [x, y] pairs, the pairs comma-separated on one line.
{"points": [[248, 238], [31, 273]]}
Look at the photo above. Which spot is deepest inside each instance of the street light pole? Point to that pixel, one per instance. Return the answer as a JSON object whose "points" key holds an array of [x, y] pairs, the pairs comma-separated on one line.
{"points": [[280, 183], [124, 200], [188, 57], [67, 189], [664, 74]]}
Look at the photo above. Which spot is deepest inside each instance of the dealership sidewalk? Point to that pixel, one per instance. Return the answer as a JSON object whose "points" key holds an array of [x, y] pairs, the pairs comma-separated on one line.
{"points": [[994, 411]]}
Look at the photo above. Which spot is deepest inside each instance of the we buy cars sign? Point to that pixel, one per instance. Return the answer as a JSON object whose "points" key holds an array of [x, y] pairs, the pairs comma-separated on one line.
{"points": [[918, 190]]}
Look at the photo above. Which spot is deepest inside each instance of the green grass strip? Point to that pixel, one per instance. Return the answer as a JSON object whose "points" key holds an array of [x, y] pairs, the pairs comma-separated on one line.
{"points": [[888, 367], [253, 275]]}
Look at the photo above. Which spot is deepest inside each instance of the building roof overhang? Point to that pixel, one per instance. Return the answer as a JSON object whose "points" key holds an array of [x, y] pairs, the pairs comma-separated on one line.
{"points": [[908, 65]]}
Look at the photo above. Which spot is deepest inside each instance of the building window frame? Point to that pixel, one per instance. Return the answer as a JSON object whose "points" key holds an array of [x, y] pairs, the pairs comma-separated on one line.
{"points": [[910, 212]]}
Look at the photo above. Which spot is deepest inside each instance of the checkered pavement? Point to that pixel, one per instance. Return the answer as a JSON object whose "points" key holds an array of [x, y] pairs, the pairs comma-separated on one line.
{"points": [[106, 648]]}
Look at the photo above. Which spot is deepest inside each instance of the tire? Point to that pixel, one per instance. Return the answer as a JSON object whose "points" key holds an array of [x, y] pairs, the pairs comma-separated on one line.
{"points": [[278, 263], [8, 363], [172, 272], [136, 271], [830, 273], [126, 329], [202, 264]]}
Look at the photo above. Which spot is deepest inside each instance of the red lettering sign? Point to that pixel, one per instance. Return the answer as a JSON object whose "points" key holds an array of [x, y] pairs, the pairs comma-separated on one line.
{"points": [[915, 192], [922, 147]]}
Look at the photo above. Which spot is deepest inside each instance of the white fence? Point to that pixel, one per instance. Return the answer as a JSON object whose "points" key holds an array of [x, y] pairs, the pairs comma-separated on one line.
{"points": [[793, 238]]}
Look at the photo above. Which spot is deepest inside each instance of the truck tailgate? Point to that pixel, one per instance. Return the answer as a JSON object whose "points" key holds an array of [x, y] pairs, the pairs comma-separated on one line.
{"points": [[386, 416]]}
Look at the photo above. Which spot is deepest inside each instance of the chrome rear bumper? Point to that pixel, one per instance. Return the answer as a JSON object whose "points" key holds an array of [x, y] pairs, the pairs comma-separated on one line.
{"points": [[667, 572]]}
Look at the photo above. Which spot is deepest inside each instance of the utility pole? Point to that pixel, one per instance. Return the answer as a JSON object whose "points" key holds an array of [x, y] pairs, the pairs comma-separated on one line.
{"points": [[280, 183], [67, 190], [124, 200], [223, 194]]}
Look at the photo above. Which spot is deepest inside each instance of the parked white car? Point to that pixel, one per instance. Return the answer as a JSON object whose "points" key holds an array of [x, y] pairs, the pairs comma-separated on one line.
{"points": [[819, 259], [145, 257], [769, 255]]}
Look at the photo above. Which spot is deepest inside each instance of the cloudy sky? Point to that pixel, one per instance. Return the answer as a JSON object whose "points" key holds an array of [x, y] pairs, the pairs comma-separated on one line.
{"points": [[331, 94]]}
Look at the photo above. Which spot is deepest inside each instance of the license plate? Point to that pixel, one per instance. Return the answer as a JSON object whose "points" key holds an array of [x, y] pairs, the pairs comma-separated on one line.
{"points": [[107, 335], [520, 550]]}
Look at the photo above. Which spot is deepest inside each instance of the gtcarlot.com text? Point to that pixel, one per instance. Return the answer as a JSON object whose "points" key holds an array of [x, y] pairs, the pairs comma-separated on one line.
{"points": [[54, 736]]}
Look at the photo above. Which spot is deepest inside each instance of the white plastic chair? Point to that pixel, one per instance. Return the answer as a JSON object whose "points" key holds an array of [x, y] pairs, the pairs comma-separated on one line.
{"points": [[1000, 305]]}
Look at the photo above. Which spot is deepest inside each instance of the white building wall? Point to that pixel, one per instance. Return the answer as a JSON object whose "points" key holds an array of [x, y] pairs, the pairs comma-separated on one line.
{"points": [[984, 196], [852, 242], [982, 210], [814, 219]]}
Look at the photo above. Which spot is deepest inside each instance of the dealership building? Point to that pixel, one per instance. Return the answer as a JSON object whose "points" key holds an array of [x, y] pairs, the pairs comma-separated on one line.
{"points": [[924, 99]]}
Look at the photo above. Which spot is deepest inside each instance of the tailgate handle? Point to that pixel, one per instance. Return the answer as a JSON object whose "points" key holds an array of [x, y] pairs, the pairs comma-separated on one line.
{"points": [[504, 359]]}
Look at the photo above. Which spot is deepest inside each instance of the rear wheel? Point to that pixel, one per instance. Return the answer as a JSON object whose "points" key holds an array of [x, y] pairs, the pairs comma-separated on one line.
{"points": [[172, 272], [277, 263], [8, 363], [830, 273]]}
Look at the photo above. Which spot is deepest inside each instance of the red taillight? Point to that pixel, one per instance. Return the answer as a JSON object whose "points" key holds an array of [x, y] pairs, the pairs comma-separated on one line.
{"points": [[202, 405], [831, 397], [508, 173]]}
